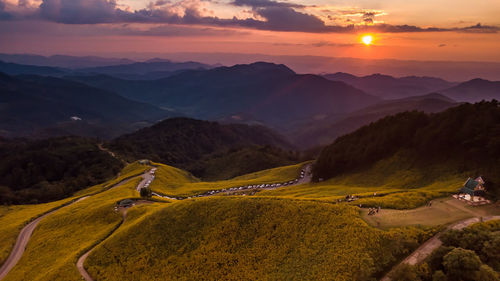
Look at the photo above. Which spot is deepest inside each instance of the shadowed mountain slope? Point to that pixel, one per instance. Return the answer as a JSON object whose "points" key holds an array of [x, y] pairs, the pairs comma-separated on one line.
{"points": [[40, 106], [273, 93]]}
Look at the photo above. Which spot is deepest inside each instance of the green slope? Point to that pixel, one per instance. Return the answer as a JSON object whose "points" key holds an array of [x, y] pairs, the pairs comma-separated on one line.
{"points": [[414, 149], [250, 239]]}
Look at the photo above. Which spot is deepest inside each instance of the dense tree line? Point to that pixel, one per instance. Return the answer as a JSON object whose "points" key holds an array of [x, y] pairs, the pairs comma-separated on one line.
{"points": [[207, 149], [462, 139], [33, 171], [466, 255]]}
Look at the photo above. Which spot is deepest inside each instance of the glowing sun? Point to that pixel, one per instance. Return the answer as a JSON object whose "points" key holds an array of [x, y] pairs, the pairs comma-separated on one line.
{"points": [[367, 40]]}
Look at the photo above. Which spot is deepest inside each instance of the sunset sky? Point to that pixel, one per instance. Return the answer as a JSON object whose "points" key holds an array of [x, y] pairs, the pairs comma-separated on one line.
{"points": [[458, 30]]}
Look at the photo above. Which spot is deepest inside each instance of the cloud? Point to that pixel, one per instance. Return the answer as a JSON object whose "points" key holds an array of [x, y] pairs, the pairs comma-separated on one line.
{"points": [[442, 45], [4, 15], [479, 28], [287, 19], [265, 3], [79, 11], [161, 2], [267, 15]]}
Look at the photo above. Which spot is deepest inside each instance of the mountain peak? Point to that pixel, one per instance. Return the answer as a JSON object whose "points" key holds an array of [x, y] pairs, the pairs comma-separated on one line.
{"points": [[157, 60], [263, 67]]}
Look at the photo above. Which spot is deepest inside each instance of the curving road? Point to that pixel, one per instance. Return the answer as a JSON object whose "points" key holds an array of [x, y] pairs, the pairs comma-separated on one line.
{"points": [[81, 260], [304, 177], [22, 240], [27, 231], [25, 235], [432, 244]]}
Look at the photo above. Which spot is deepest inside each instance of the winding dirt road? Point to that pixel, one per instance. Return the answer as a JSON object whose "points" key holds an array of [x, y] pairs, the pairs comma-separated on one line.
{"points": [[432, 244], [27, 231], [25, 235], [81, 260], [22, 240]]}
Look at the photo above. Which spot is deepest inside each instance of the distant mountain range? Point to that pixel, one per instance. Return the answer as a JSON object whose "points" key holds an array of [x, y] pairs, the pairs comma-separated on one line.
{"points": [[323, 132], [61, 61], [149, 70], [309, 109], [474, 90], [388, 87], [44, 106], [275, 94]]}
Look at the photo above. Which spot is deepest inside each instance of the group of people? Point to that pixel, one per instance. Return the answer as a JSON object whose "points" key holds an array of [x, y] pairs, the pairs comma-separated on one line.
{"points": [[350, 198], [373, 211]]}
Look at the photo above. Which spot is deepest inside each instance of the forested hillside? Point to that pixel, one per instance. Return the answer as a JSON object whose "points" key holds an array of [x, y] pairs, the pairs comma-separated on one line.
{"points": [[461, 140], [207, 149], [46, 170], [46, 106]]}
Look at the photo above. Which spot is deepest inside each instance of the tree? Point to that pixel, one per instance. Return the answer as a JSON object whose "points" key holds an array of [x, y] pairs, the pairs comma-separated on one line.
{"points": [[491, 250], [405, 272], [461, 264], [439, 276], [487, 273], [146, 192]]}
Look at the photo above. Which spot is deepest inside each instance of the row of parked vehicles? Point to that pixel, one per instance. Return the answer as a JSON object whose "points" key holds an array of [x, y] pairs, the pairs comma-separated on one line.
{"points": [[152, 173], [254, 186]]}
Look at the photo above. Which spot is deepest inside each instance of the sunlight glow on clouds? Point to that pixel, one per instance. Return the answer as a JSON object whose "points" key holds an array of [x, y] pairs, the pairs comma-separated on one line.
{"points": [[273, 26]]}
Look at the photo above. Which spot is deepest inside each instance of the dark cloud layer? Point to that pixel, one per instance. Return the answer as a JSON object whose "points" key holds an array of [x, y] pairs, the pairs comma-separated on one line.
{"points": [[278, 16], [78, 11], [3, 14], [265, 3]]}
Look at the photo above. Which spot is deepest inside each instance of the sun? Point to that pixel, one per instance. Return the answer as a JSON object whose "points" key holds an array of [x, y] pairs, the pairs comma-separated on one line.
{"points": [[367, 39]]}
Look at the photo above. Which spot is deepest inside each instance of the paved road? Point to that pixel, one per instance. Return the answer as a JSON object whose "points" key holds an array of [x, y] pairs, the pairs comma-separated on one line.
{"points": [[304, 177], [145, 178], [25, 235], [22, 240], [432, 244], [27, 231]]}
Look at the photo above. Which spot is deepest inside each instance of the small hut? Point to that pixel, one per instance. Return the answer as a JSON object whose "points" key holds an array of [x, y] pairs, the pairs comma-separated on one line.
{"points": [[473, 192], [126, 203], [473, 187]]}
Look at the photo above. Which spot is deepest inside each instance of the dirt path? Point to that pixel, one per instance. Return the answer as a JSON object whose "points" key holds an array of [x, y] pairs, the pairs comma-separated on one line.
{"points": [[25, 235], [102, 148], [81, 261], [23, 239], [432, 244], [459, 205]]}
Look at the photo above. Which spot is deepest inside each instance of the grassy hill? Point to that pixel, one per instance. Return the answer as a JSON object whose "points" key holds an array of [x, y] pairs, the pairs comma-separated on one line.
{"points": [[207, 149], [261, 237], [14, 217], [250, 239], [417, 149], [176, 182]]}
